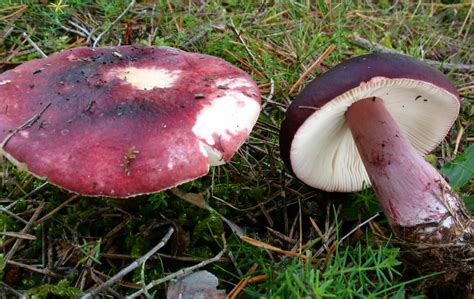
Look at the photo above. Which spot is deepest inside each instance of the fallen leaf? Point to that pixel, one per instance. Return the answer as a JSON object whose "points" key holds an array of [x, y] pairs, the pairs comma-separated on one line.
{"points": [[197, 199], [197, 285]]}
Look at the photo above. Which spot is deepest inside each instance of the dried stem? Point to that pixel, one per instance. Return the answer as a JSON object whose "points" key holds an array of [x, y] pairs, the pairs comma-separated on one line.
{"points": [[445, 66], [179, 273], [132, 3], [130, 267]]}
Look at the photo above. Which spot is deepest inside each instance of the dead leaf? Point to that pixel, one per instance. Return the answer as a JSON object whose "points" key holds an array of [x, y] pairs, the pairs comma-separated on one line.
{"points": [[194, 198], [197, 199], [197, 285]]}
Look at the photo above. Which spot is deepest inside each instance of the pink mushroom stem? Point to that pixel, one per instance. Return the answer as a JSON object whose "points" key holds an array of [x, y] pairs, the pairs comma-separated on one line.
{"points": [[412, 193]]}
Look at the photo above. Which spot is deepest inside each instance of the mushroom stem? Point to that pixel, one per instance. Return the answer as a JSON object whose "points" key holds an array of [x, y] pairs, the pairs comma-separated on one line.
{"points": [[416, 199]]}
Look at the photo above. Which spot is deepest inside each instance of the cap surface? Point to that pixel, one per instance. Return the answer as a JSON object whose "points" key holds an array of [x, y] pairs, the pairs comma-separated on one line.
{"points": [[315, 140], [126, 120]]}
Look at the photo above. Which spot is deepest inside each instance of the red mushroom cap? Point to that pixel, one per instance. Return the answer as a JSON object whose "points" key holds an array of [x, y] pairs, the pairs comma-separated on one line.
{"points": [[127, 120]]}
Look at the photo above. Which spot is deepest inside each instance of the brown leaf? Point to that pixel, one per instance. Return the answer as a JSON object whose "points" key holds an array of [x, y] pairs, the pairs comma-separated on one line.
{"points": [[194, 198]]}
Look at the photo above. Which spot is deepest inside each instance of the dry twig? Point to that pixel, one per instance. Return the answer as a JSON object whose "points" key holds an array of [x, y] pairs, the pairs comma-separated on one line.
{"points": [[312, 67], [266, 246], [25, 230], [445, 66], [130, 267], [132, 3], [11, 290], [34, 45], [55, 210], [179, 273]]}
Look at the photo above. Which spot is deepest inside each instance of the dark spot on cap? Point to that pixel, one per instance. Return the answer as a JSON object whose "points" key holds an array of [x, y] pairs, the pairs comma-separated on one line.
{"points": [[199, 96]]}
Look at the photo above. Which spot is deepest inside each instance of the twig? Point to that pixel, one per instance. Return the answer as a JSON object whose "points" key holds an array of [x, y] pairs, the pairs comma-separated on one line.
{"points": [[17, 243], [359, 226], [88, 33], [11, 290], [25, 125], [445, 66], [130, 267], [34, 190], [282, 236], [32, 43], [157, 256], [82, 29], [312, 67], [239, 35], [13, 215], [242, 283], [44, 271], [468, 15], [458, 140], [72, 30], [132, 3], [55, 210], [18, 235], [272, 91], [100, 281], [103, 276], [269, 247], [320, 233], [153, 30], [179, 273]]}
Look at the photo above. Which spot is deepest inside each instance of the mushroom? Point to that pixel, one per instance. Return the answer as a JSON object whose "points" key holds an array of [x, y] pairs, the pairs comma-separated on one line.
{"points": [[369, 121], [124, 121]]}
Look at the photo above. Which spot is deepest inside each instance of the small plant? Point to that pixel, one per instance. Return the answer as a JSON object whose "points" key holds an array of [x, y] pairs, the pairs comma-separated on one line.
{"points": [[63, 288], [90, 252], [364, 270]]}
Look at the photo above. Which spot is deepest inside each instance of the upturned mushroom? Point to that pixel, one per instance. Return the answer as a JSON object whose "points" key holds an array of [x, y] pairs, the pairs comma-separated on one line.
{"points": [[124, 121], [368, 122]]}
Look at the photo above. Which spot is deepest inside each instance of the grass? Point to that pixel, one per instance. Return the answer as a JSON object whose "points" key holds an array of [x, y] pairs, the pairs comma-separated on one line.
{"points": [[91, 239]]}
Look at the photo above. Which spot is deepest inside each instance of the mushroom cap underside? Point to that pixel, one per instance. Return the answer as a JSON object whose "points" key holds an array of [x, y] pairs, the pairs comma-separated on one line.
{"points": [[315, 140]]}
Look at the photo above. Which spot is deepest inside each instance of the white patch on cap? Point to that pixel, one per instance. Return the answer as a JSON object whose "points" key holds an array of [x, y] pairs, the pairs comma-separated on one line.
{"points": [[323, 153], [213, 155], [5, 82], [224, 117], [146, 78], [233, 83]]}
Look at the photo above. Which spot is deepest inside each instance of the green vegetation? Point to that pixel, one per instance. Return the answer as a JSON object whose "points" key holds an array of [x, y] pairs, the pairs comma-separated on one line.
{"points": [[91, 239]]}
